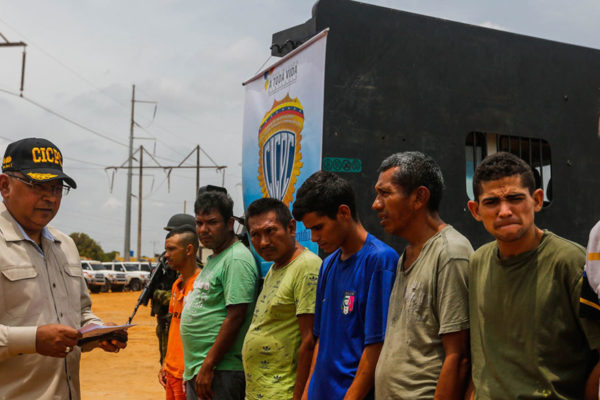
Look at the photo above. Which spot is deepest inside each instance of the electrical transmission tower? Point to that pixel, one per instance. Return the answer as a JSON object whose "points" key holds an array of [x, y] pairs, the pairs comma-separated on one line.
{"points": [[167, 169]]}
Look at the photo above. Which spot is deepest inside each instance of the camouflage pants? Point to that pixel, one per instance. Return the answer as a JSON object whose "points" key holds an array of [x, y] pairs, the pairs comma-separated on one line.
{"points": [[162, 333]]}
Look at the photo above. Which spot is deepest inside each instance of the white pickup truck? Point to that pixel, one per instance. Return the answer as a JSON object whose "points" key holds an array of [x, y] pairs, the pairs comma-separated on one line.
{"points": [[95, 274], [138, 274], [116, 278]]}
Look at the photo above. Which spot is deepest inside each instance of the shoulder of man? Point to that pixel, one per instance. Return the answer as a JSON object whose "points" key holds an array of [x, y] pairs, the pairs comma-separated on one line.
{"points": [[380, 256], [565, 249], [455, 246], [58, 234], [483, 254], [328, 263], [238, 251], [63, 238], [310, 257], [595, 233], [307, 262], [239, 258]]}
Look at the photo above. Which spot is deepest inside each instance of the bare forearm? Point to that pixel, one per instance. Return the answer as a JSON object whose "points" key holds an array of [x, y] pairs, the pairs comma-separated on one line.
{"points": [[305, 356], [312, 369], [453, 378], [365, 374]]}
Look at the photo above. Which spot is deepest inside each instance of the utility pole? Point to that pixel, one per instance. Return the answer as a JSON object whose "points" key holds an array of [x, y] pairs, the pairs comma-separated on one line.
{"points": [[7, 43], [127, 241], [139, 237], [198, 169], [167, 169], [127, 244]]}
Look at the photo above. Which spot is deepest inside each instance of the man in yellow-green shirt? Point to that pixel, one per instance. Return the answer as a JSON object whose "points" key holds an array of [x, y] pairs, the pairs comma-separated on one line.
{"points": [[279, 344]]}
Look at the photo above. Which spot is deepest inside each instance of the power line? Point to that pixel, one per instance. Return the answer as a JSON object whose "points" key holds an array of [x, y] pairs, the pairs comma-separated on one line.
{"points": [[64, 118], [61, 63], [104, 94], [73, 71], [67, 158]]}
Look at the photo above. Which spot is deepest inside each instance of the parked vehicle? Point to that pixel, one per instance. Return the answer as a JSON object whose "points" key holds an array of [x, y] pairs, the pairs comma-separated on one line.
{"points": [[95, 275], [138, 274], [117, 279]]}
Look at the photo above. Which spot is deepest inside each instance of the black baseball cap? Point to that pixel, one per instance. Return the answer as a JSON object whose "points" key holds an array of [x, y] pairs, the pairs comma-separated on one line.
{"points": [[38, 159]]}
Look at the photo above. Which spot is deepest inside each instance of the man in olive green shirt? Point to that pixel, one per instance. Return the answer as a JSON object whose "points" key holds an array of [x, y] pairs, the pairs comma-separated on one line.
{"points": [[217, 312], [279, 344], [425, 352], [527, 340]]}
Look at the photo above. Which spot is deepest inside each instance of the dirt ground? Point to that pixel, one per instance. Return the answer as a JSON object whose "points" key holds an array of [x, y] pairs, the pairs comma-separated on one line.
{"points": [[131, 373]]}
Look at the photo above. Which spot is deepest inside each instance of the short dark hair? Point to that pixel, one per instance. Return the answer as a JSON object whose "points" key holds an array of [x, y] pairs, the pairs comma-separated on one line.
{"points": [[324, 192], [187, 235], [267, 204], [416, 169], [501, 165], [214, 200]]}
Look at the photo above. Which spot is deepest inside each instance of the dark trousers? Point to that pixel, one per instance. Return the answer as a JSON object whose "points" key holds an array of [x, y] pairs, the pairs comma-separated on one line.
{"points": [[226, 385]]}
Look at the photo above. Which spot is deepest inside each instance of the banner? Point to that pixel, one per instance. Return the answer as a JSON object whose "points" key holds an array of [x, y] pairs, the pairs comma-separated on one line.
{"points": [[283, 129]]}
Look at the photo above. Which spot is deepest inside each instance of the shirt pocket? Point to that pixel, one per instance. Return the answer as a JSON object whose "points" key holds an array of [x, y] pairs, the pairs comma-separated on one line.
{"points": [[73, 282], [20, 288]]}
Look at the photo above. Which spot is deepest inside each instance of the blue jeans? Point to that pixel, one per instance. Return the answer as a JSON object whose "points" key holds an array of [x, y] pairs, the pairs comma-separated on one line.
{"points": [[226, 385]]}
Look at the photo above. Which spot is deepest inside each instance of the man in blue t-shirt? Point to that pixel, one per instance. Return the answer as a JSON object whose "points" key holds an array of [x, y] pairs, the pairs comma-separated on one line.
{"points": [[353, 291]]}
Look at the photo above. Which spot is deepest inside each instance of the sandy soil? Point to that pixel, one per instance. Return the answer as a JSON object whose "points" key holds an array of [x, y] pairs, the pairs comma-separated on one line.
{"points": [[131, 373]]}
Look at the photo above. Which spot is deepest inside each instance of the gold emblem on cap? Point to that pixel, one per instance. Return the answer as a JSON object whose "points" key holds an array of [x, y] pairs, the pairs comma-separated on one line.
{"points": [[7, 162], [41, 177]]}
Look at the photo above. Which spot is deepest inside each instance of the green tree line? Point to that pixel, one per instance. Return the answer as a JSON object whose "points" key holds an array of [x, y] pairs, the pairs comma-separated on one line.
{"points": [[88, 248]]}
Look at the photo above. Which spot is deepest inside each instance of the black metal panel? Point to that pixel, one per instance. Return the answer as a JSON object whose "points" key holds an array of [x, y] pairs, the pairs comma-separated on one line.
{"points": [[398, 81], [287, 40]]}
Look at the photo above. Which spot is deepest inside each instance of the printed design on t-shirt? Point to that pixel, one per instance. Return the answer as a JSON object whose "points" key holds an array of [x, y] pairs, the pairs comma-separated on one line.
{"points": [[202, 288], [348, 303], [416, 299]]}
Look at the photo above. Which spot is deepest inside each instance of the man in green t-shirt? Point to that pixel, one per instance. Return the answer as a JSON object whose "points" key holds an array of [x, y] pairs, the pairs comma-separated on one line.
{"points": [[217, 312], [279, 345], [426, 347], [527, 339]]}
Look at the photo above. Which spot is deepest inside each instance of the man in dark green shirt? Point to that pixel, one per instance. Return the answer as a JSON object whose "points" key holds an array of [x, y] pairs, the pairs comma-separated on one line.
{"points": [[527, 339]]}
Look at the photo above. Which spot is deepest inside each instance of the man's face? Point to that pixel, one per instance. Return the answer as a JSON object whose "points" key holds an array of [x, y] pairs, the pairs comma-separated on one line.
{"points": [[506, 208], [175, 253], [213, 231], [392, 205], [33, 207], [272, 240], [326, 232]]}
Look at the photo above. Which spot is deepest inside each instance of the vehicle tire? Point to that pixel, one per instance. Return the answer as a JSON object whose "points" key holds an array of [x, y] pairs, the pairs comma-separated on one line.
{"points": [[105, 288], [135, 285], [95, 289], [117, 288]]}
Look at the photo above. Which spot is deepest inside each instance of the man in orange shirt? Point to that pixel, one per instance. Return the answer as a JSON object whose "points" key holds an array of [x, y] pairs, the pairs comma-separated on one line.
{"points": [[181, 246]]}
